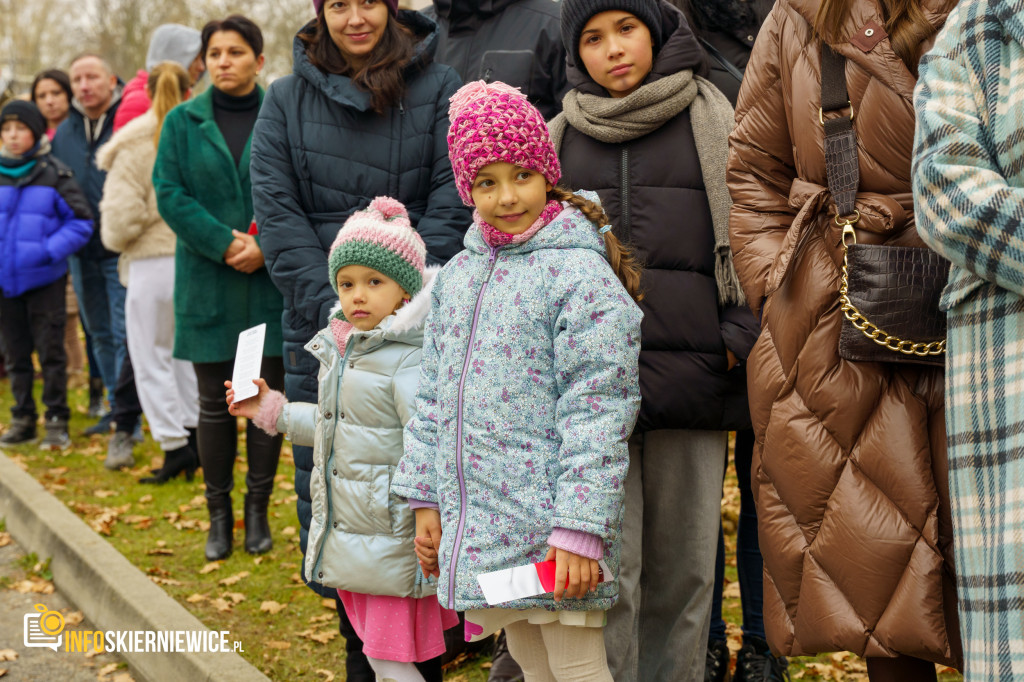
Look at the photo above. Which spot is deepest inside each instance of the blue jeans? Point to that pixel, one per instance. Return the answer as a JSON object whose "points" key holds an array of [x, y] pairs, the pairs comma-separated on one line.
{"points": [[101, 303], [748, 553]]}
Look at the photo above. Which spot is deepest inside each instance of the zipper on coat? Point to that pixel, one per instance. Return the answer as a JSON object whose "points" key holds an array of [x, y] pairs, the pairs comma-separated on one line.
{"points": [[327, 468], [458, 431], [624, 194], [12, 231], [396, 134]]}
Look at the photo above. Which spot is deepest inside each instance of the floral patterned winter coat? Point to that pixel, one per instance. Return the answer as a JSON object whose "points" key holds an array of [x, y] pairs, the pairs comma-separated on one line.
{"points": [[528, 391]]}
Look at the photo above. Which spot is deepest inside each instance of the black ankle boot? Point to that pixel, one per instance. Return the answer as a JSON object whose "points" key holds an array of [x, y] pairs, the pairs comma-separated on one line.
{"points": [[257, 527], [756, 663], [222, 522], [716, 665], [175, 461]]}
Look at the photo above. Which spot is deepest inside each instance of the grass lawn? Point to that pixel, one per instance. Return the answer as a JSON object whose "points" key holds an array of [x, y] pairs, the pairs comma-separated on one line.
{"points": [[287, 631]]}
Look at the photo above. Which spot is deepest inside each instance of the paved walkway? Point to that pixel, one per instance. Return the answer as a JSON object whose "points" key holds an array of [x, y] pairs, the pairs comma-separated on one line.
{"points": [[38, 664]]}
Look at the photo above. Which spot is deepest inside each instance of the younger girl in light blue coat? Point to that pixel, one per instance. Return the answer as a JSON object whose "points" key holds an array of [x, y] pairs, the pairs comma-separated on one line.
{"points": [[360, 538], [528, 391]]}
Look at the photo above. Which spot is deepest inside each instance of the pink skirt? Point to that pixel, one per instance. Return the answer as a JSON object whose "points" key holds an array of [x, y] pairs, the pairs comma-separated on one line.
{"points": [[399, 629]]}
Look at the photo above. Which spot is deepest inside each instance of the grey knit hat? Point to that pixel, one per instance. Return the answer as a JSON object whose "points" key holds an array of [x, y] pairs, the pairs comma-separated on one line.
{"points": [[576, 14]]}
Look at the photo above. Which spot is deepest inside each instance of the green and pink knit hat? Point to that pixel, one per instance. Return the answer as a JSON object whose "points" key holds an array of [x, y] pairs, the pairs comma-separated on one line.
{"points": [[494, 122], [381, 237]]}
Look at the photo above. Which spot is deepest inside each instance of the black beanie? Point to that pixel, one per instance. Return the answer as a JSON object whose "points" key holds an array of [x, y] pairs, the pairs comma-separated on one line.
{"points": [[26, 112], [576, 14]]}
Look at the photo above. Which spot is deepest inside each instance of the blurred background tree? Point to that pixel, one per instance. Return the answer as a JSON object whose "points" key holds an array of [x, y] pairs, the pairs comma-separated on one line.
{"points": [[33, 38]]}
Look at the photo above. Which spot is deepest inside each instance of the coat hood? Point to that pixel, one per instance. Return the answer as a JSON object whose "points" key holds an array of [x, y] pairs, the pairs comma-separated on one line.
{"points": [[462, 13], [340, 88], [570, 229], [175, 43], [135, 131], [78, 110], [403, 326], [680, 50]]}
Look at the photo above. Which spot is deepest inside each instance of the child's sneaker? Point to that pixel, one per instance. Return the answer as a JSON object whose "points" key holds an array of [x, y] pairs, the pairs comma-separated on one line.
{"points": [[56, 437], [119, 452], [21, 430]]}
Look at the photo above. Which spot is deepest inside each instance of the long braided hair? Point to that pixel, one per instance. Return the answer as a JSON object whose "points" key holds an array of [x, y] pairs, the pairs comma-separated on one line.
{"points": [[622, 259]]}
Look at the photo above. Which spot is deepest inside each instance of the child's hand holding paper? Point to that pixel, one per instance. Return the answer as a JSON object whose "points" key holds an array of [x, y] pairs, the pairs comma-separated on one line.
{"points": [[531, 580], [575, 575], [247, 407]]}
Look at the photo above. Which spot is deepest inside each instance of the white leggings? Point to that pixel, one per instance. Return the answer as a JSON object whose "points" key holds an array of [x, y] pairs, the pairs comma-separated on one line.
{"points": [[558, 653], [393, 671]]}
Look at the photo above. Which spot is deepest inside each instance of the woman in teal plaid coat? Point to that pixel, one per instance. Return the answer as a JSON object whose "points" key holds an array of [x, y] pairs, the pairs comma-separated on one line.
{"points": [[969, 189]]}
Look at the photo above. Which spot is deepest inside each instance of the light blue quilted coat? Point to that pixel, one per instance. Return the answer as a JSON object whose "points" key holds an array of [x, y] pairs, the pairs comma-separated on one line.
{"points": [[361, 535], [528, 391]]}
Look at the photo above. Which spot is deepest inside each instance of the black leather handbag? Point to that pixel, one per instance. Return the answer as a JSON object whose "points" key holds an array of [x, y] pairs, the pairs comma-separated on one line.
{"points": [[889, 295]]}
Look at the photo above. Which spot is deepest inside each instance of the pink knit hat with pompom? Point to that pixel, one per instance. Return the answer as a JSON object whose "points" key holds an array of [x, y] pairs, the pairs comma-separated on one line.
{"points": [[494, 122]]}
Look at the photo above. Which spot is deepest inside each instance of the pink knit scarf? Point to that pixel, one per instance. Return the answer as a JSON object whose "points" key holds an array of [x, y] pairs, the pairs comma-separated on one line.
{"points": [[495, 237], [341, 330]]}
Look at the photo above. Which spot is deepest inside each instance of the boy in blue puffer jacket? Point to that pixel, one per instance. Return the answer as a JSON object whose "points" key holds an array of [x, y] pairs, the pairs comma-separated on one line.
{"points": [[44, 218]]}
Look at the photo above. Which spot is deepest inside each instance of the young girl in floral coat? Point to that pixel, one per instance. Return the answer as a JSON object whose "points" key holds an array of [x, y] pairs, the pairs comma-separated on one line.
{"points": [[528, 391]]}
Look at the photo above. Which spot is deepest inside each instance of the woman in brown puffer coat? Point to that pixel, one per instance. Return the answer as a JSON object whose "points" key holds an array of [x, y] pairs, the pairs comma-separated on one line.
{"points": [[850, 463]]}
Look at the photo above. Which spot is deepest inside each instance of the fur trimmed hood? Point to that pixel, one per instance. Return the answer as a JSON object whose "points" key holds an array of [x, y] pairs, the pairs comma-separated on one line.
{"points": [[406, 324], [126, 139], [413, 315]]}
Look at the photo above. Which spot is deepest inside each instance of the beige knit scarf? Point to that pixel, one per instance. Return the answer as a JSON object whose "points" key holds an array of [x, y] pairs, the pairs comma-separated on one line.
{"points": [[645, 110]]}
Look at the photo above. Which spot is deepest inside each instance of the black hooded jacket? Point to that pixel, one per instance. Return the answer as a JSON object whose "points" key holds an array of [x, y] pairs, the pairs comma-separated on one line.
{"points": [[513, 41], [653, 191], [727, 29]]}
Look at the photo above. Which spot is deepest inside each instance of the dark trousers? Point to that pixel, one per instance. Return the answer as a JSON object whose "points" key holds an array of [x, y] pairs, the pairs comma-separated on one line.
{"points": [[127, 409], [357, 668], [748, 553], [35, 321], [94, 365], [218, 432]]}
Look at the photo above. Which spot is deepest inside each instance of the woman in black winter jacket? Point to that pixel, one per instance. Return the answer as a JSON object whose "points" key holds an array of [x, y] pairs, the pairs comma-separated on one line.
{"points": [[645, 130], [364, 114]]}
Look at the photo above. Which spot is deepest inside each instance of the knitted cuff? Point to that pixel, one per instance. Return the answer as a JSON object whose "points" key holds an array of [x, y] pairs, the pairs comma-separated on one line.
{"points": [[422, 504], [578, 542], [270, 410]]}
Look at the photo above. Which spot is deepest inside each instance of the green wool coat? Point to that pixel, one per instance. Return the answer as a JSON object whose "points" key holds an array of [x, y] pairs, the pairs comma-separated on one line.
{"points": [[203, 195]]}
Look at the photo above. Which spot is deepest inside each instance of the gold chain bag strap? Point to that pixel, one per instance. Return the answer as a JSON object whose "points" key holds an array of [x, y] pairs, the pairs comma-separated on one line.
{"points": [[888, 294]]}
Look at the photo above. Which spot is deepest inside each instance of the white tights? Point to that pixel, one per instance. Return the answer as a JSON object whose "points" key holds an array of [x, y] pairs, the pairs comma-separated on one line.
{"points": [[393, 671], [558, 653]]}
